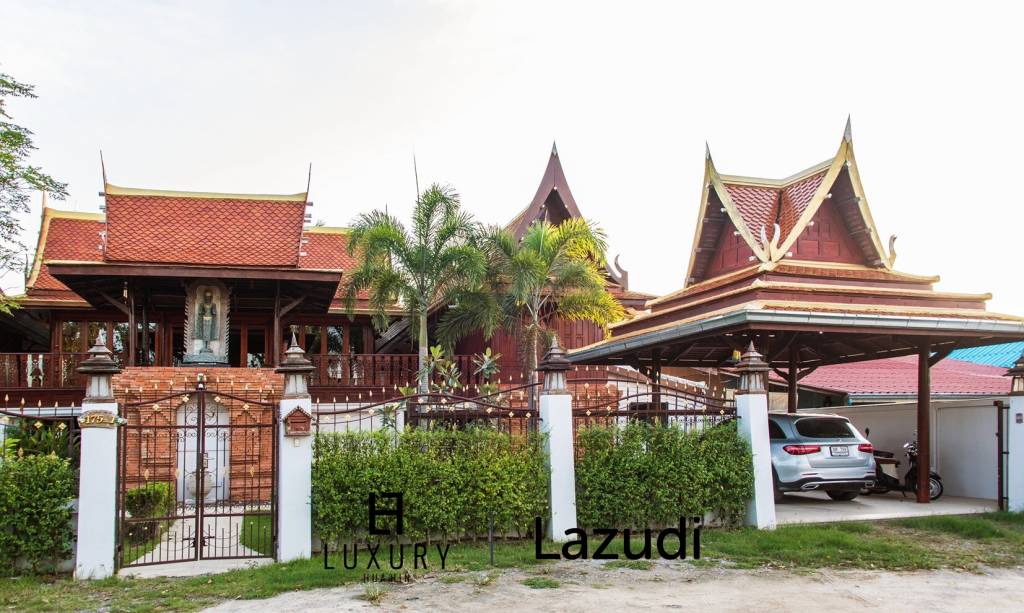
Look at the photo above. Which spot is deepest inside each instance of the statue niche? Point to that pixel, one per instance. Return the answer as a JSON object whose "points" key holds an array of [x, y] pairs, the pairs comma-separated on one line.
{"points": [[206, 323]]}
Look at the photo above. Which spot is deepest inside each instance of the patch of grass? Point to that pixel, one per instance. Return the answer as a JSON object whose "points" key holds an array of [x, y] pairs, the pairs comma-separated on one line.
{"points": [[452, 578], [880, 545], [814, 546], [256, 533], [373, 593], [960, 526], [540, 583], [485, 579], [632, 564]]}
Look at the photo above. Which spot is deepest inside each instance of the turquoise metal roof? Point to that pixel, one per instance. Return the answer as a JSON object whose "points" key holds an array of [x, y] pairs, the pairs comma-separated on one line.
{"points": [[994, 355]]}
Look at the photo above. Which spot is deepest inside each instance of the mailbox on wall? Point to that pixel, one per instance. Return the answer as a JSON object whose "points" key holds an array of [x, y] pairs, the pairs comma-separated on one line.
{"points": [[297, 423]]}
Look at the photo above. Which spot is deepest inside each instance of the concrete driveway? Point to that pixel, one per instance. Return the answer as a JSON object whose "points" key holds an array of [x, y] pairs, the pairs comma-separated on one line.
{"points": [[817, 507]]}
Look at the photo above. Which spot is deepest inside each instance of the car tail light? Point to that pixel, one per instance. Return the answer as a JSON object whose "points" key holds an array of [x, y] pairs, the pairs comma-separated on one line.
{"points": [[801, 449], [866, 447]]}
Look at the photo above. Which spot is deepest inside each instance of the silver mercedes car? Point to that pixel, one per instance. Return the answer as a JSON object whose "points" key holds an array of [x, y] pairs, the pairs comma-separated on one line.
{"points": [[819, 452]]}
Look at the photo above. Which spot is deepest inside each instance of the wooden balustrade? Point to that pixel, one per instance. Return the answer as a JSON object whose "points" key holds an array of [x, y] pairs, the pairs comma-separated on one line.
{"points": [[41, 370]]}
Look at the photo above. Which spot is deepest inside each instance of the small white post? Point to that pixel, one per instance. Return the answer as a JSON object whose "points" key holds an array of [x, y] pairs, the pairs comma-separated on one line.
{"points": [[752, 414], [556, 424], [97, 484], [295, 459], [1015, 440]]}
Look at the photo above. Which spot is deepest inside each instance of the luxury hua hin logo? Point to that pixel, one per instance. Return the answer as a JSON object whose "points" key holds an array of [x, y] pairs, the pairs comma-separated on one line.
{"points": [[576, 549], [395, 560]]}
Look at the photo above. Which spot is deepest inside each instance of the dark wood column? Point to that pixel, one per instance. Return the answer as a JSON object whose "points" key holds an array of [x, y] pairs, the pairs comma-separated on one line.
{"points": [[275, 354], [924, 435], [792, 381], [133, 333]]}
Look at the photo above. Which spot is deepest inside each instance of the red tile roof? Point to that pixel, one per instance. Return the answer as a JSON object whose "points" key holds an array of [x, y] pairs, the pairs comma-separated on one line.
{"points": [[898, 377], [795, 198], [758, 206], [212, 229], [326, 249], [64, 235]]}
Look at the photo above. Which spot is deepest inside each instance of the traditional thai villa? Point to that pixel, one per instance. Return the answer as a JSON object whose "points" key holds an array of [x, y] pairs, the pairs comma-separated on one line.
{"points": [[192, 280], [796, 267]]}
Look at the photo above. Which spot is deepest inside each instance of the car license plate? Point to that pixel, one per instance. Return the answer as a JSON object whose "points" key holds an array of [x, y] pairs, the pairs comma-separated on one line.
{"points": [[841, 450]]}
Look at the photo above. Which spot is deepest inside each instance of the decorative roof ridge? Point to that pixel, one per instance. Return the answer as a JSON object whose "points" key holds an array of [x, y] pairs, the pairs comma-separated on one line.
{"points": [[115, 190], [697, 287], [895, 310], [553, 180], [327, 230], [713, 181], [686, 305], [856, 267], [844, 158], [861, 289], [777, 183], [49, 213]]}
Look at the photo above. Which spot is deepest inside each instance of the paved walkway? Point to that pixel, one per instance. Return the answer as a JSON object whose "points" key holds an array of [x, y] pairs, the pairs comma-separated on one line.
{"points": [[817, 507]]}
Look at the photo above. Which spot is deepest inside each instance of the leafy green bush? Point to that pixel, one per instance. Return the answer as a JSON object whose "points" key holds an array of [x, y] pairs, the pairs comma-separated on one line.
{"points": [[155, 499], [35, 503], [645, 475], [452, 481]]}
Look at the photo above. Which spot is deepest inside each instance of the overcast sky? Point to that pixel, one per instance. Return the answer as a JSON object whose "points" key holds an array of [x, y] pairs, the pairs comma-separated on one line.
{"points": [[224, 96]]}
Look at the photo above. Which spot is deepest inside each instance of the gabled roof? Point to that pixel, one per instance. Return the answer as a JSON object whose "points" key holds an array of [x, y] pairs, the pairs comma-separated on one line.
{"points": [[63, 235], [167, 227], [553, 198], [769, 215]]}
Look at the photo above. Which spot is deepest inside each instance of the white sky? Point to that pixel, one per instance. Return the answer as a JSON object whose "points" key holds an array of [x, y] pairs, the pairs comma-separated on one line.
{"points": [[235, 97]]}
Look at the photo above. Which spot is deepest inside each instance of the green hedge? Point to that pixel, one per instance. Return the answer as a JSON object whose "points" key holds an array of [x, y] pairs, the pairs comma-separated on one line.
{"points": [[648, 476], [35, 506], [451, 481], [154, 499]]}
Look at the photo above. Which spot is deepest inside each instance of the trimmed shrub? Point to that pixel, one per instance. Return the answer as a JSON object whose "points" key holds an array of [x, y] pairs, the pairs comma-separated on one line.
{"points": [[35, 503], [155, 499], [644, 475], [452, 482]]}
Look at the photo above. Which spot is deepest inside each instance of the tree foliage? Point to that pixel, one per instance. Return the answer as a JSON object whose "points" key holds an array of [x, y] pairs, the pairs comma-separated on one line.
{"points": [[415, 268], [18, 178], [554, 271]]}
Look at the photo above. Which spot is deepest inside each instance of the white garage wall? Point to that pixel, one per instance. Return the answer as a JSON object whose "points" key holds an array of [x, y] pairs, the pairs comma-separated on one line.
{"points": [[963, 439]]}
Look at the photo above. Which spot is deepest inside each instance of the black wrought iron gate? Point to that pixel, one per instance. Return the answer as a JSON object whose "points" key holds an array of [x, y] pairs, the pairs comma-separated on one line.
{"points": [[196, 476]]}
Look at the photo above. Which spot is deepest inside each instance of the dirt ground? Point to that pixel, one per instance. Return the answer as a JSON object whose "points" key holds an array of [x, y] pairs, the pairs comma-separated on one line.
{"points": [[591, 586]]}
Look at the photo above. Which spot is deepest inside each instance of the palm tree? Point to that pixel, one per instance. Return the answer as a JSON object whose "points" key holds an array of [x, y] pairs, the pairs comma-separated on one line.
{"points": [[554, 271], [416, 268]]}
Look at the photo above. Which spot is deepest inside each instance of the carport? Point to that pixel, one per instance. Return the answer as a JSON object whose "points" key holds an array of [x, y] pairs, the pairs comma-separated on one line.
{"points": [[819, 290]]}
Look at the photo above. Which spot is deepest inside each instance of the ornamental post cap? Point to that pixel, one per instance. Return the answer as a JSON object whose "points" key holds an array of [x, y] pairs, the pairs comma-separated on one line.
{"points": [[99, 361], [752, 361], [554, 359], [295, 360]]}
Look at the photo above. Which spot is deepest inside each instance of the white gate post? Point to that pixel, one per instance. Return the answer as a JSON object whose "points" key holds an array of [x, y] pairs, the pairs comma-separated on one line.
{"points": [[294, 458], [1015, 440], [556, 423], [752, 414], [97, 483]]}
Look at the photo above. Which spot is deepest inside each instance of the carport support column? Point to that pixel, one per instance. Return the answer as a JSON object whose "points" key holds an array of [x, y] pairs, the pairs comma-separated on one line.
{"points": [[752, 411], [556, 424], [97, 483], [924, 434], [1015, 439], [295, 458]]}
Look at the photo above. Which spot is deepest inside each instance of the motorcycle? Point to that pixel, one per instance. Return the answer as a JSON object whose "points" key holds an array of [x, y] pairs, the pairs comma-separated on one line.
{"points": [[885, 482]]}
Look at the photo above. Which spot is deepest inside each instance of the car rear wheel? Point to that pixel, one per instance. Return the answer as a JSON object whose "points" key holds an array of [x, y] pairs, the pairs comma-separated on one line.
{"points": [[842, 495]]}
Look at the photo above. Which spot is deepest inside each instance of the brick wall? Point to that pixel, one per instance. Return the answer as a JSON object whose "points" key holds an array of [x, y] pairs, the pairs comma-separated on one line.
{"points": [[160, 405]]}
